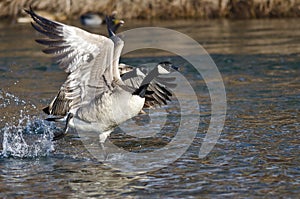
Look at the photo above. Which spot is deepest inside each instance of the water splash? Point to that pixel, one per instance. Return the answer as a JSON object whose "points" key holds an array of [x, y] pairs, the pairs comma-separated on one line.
{"points": [[8, 98], [25, 136], [33, 139]]}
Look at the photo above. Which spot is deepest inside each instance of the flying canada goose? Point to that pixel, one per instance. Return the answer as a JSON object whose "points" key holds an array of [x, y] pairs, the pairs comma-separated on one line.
{"points": [[95, 96]]}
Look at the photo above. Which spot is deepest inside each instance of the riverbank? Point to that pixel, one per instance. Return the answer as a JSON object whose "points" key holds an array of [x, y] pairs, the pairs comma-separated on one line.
{"points": [[149, 9]]}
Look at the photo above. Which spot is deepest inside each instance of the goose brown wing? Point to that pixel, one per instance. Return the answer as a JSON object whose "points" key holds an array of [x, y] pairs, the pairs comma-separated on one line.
{"points": [[86, 57]]}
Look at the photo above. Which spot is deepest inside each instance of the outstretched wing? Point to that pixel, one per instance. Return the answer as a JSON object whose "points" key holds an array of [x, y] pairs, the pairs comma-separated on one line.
{"points": [[157, 93], [86, 57]]}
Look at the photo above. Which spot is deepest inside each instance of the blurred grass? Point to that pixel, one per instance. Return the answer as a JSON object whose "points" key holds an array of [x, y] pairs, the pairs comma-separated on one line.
{"points": [[149, 9]]}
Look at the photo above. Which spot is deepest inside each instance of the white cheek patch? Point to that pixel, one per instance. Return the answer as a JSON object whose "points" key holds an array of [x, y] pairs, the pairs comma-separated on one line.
{"points": [[139, 72], [162, 70]]}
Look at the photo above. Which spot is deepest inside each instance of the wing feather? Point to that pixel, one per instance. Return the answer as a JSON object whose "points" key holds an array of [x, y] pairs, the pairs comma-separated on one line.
{"points": [[86, 57], [157, 92]]}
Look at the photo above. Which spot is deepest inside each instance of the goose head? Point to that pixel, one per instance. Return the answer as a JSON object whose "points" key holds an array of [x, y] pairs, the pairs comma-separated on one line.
{"points": [[113, 24]]}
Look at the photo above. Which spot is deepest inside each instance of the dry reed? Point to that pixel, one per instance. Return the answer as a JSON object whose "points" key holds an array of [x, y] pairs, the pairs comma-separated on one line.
{"points": [[147, 9]]}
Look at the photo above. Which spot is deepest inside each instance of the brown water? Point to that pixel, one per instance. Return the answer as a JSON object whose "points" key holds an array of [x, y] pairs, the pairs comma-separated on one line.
{"points": [[257, 153]]}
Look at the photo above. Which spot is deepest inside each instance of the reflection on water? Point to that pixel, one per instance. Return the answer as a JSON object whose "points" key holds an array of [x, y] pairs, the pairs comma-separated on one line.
{"points": [[257, 153]]}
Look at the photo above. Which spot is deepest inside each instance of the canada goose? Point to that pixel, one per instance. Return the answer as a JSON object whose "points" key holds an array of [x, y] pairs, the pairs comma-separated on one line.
{"points": [[91, 19], [158, 90], [95, 97], [95, 19]]}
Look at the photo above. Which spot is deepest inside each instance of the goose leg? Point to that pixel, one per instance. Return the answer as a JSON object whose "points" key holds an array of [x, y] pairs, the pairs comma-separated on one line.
{"points": [[102, 138], [60, 135]]}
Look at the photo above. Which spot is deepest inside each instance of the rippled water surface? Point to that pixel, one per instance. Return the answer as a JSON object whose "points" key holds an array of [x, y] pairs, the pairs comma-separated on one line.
{"points": [[257, 153]]}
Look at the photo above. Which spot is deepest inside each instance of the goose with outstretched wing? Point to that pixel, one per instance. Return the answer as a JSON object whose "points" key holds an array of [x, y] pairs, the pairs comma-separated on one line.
{"points": [[94, 97], [159, 92]]}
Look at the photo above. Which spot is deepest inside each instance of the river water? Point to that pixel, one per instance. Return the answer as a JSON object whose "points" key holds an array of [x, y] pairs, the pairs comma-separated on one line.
{"points": [[256, 155]]}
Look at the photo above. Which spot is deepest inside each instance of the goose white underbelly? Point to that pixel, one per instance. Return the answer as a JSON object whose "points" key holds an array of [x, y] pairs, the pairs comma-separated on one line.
{"points": [[107, 111]]}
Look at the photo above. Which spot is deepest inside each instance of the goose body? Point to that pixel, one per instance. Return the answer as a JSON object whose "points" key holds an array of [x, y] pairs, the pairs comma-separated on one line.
{"points": [[107, 111], [97, 95]]}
